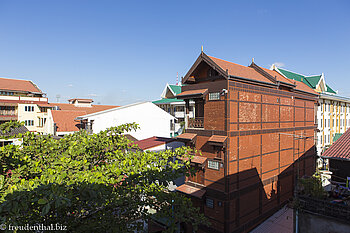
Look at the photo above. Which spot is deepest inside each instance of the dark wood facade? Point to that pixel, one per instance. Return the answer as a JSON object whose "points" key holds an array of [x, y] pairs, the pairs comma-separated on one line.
{"points": [[262, 155]]}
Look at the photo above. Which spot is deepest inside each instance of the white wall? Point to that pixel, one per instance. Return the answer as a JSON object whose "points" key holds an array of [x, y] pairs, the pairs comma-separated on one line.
{"points": [[152, 120]]}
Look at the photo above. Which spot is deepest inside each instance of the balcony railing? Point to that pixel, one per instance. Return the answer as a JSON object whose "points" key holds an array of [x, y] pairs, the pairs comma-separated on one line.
{"points": [[197, 122], [8, 112]]}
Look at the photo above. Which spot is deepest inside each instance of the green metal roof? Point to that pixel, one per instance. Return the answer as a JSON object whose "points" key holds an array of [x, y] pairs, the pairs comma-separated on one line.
{"points": [[311, 81], [330, 90], [176, 89], [292, 75], [336, 136], [165, 101]]}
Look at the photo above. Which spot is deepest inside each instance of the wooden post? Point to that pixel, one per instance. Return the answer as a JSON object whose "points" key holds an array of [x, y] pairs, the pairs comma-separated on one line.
{"points": [[187, 112]]}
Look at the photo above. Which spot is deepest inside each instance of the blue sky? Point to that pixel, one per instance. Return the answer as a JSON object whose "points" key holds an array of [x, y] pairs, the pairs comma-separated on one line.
{"points": [[120, 52]]}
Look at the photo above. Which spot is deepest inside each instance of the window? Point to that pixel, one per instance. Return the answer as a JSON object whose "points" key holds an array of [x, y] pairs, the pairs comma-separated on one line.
{"points": [[29, 122], [329, 123], [337, 122], [209, 203], [321, 140], [214, 96], [213, 164], [329, 138], [333, 123], [321, 123], [29, 108]]}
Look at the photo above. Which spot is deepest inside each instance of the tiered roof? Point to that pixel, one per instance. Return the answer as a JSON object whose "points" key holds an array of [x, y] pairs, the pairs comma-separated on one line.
{"points": [[311, 81]]}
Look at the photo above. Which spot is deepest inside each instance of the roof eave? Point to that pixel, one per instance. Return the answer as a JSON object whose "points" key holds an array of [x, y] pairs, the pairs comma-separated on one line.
{"points": [[204, 57]]}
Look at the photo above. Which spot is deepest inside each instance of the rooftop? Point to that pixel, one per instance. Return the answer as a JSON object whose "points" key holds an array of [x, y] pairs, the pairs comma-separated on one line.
{"points": [[18, 85], [340, 149], [152, 142]]}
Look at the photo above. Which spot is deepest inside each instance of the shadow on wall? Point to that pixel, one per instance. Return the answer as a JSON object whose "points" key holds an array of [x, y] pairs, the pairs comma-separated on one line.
{"points": [[250, 199]]}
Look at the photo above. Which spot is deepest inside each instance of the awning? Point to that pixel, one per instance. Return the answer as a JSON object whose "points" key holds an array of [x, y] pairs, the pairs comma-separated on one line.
{"points": [[200, 93], [189, 190], [217, 140], [187, 136], [197, 159]]}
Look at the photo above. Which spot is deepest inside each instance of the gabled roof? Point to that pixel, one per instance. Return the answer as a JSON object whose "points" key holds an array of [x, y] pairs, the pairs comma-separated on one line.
{"points": [[175, 89], [18, 85], [122, 107], [65, 120], [340, 149], [65, 116], [330, 90], [312, 81], [88, 110], [252, 73]]}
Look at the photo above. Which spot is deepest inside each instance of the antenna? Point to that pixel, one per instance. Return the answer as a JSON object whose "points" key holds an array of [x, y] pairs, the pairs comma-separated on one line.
{"points": [[58, 96], [177, 78]]}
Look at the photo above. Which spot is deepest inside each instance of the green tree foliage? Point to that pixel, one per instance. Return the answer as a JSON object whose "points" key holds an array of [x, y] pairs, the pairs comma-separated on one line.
{"points": [[91, 183], [311, 186], [8, 126]]}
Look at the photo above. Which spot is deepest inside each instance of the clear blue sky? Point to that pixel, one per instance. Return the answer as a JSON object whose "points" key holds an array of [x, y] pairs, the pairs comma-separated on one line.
{"points": [[120, 52]]}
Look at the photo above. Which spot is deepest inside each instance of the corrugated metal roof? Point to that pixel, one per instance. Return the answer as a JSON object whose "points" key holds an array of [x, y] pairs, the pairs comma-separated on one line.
{"points": [[340, 149]]}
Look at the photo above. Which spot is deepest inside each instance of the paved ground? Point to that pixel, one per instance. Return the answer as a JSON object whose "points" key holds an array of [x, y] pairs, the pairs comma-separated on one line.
{"points": [[280, 222]]}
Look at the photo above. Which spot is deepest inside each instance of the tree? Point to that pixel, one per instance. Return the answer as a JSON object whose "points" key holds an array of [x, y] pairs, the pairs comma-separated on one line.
{"points": [[92, 183]]}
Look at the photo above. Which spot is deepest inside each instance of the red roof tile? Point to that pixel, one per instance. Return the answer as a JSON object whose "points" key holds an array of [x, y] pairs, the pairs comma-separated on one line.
{"points": [[152, 142], [187, 136], [199, 92], [18, 85], [65, 120], [88, 110], [251, 73], [299, 85], [340, 149], [217, 139], [187, 189], [239, 70], [82, 100], [64, 117]]}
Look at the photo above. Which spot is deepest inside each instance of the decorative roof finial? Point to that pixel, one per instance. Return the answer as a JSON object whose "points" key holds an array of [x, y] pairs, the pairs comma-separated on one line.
{"points": [[253, 60], [202, 49]]}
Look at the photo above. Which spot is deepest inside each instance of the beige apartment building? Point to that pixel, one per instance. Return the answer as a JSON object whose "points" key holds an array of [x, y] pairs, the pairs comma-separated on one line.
{"points": [[22, 100]]}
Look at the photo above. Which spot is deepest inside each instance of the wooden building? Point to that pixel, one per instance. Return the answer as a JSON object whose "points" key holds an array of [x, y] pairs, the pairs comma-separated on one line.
{"points": [[255, 131]]}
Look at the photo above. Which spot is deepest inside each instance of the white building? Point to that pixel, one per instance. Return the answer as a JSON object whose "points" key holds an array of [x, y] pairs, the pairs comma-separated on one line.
{"points": [[333, 112], [175, 107], [152, 120]]}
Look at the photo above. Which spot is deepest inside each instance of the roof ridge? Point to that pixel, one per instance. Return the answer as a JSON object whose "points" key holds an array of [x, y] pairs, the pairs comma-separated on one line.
{"points": [[291, 72], [230, 62]]}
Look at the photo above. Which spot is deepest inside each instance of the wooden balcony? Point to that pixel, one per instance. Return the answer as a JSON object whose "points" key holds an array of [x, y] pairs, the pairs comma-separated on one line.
{"points": [[197, 122]]}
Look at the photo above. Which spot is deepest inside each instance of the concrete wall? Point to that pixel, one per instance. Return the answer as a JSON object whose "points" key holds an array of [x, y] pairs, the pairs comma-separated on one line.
{"points": [[152, 120], [310, 223]]}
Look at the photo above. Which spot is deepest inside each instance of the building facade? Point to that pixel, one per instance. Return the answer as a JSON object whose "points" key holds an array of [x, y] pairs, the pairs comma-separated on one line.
{"points": [[152, 120], [22, 100], [174, 106], [333, 112], [255, 132]]}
